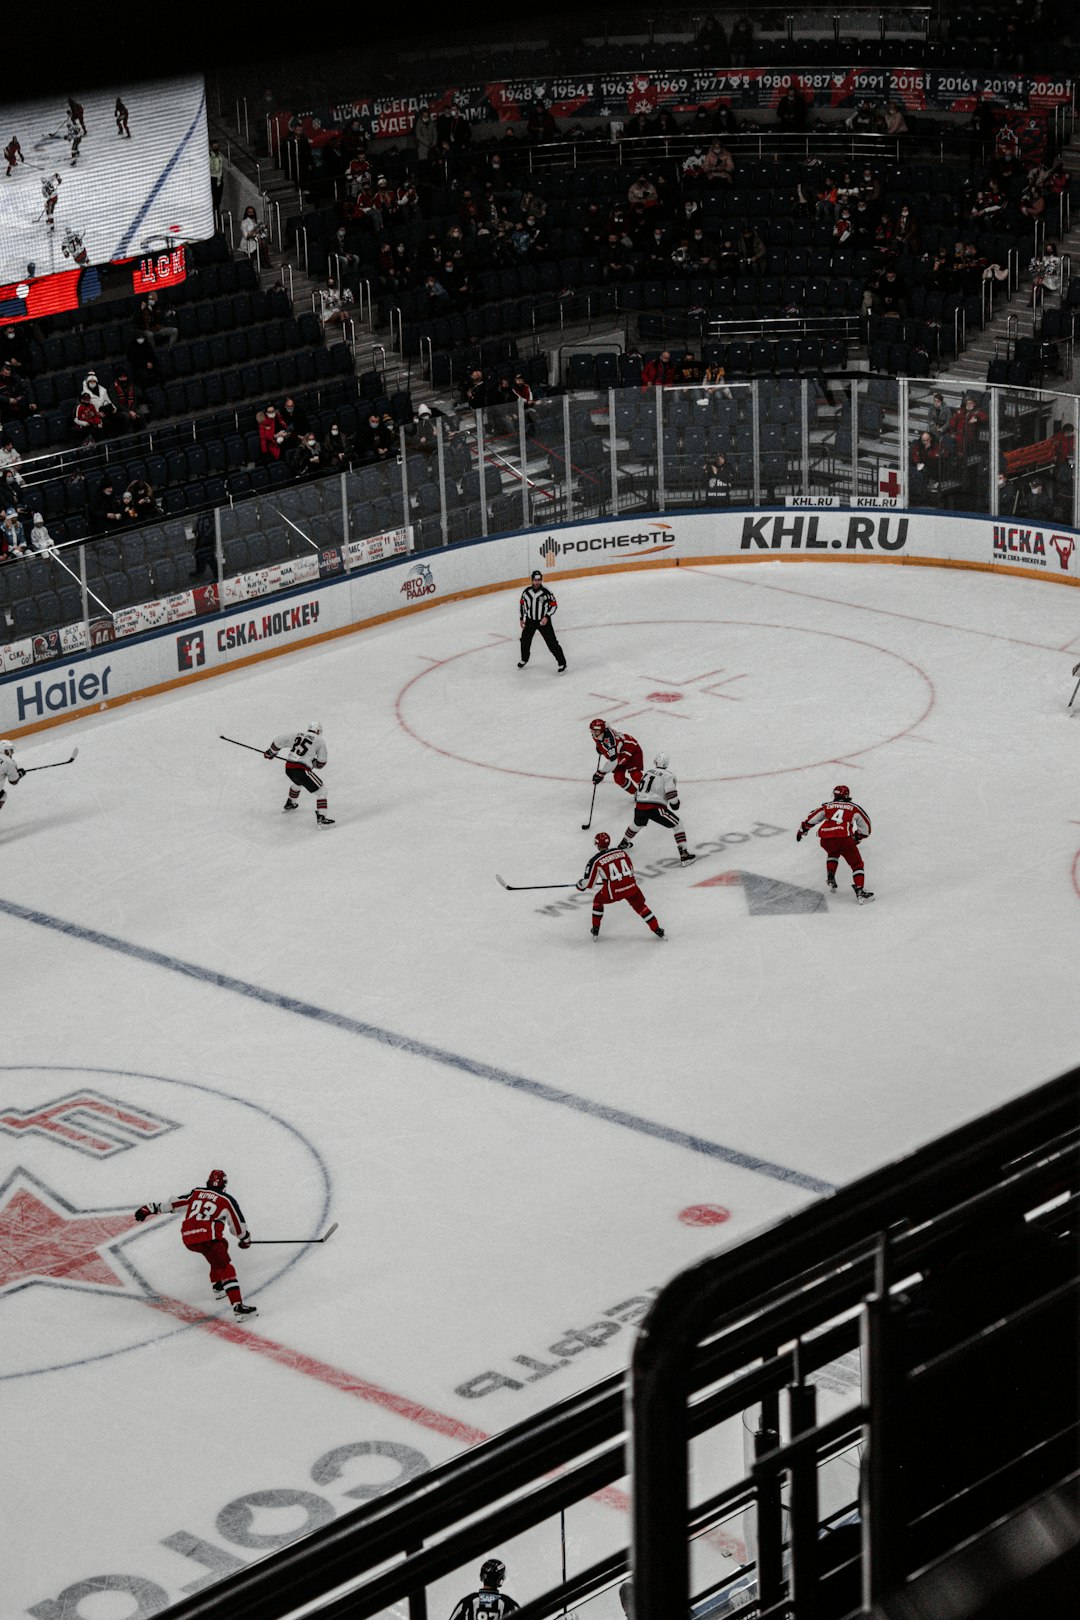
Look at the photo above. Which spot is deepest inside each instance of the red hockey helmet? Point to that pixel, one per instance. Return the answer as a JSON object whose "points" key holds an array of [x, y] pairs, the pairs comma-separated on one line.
{"points": [[841, 792], [603, 840], [218, 1180], [596, 727]]}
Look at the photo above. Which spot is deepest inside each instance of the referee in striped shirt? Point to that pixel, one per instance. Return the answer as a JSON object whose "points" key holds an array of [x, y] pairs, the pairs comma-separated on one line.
{"points": [[534, 613]]}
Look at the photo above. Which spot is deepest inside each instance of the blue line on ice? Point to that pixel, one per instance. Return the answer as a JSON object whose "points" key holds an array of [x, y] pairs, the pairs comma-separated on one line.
{"points": [[121, 249], [422, 1049]]}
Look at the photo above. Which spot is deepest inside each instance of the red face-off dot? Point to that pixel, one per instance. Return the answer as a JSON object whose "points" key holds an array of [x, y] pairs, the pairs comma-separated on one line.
{"points": [[665, 697], [704, 1215]]}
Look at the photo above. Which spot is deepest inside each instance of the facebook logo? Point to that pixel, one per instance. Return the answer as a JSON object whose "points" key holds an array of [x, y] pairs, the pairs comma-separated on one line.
{"points": [[190, 650]]}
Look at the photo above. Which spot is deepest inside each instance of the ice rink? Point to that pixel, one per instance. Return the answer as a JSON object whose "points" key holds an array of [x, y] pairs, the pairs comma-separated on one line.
{"points": [[511, 1124]]}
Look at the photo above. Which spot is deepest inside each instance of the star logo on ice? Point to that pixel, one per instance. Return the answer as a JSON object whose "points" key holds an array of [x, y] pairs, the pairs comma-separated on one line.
{"points": [[44, 1239]]}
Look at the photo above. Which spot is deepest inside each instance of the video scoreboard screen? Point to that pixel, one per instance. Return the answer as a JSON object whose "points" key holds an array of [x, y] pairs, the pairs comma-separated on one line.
{"points": [[118, 173]]}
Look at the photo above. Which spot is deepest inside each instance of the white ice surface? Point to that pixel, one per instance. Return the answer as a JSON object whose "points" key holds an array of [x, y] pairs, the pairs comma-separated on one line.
{"points": [[480, 1221]]}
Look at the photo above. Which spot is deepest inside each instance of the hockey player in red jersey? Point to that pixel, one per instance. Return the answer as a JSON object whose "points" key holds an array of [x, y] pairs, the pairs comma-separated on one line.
{"points": [[210, 1216], [610, 875], [843, 825], [620, 754]]}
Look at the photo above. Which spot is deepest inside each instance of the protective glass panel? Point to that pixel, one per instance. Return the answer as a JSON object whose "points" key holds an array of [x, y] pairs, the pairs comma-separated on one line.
{"points": [[948, 447], [1036, 458]]}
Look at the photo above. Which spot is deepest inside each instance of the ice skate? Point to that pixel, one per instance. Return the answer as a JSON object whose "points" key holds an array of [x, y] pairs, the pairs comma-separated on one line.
{"points": [[561, 670], [660, 934], [862, 895], [624, 843], [521, 663], [595, 932], [686, 856], [830, 883], [324, 821], [291, 804], [219, 1292], [244, 1310]]}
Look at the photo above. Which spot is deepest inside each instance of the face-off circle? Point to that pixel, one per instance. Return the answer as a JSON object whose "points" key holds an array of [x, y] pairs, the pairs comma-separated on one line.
{"points": [[729, 699]]}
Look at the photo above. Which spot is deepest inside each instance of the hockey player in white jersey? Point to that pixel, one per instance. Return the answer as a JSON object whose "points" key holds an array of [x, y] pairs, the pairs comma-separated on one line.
{"points": [[10, 773], [50, 190], [72, 247], [306, 753], [657, 799], [73, 133]]}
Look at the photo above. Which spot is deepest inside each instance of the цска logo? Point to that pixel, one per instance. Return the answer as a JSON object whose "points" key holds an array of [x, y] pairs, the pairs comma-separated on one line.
{"points": [[418, 582]]}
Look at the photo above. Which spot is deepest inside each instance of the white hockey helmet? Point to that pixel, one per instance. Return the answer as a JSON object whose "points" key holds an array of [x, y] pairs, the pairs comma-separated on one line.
{"points": [[6, 746], [660, 761], [315, 730]]}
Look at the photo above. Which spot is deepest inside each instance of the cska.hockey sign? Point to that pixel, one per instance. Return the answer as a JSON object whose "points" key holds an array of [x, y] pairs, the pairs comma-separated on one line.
{"points": [[824, 533]]}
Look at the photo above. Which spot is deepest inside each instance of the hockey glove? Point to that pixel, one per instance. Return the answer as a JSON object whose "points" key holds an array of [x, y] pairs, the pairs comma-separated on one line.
{"points": [[598, 777], [859, 837], [799, 835], [143, 1213], [674, 804], [21, 772], [270, 753], [245, 1241]]}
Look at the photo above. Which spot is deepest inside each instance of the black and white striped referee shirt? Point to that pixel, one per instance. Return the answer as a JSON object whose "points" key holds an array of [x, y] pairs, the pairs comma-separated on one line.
{"points": [[537, 603]]}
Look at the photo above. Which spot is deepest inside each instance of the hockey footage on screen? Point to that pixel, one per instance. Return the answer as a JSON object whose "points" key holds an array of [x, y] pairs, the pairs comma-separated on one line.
{"points": [[111, 174]]}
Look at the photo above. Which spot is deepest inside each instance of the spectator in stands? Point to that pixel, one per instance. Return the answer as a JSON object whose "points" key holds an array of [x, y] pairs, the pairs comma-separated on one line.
{"points": [[843, 229], [337, 448], [717, 480], [128, 415], [923, 474], [293, 417], [715, 377], [791, 110], [16, 403], [143, 500], [272, 434], [253, 239], [40, 538], [378, 439], [15, 348], [99, 396], [201, 534], [892, 120], [10, 461], [523, 391], [217, 176], [965, 425], [427, 438], [659, 372], [753, 254], [12, 534], [1046, 270], [87, 421], [938, 417], [717, 165], [129, 510], [305, 457], [863, 119], [642, 192], [476, 394], [105, 509], [1036, 500], [142, 361], [742, 40], [689, 370], [152, 318], [426, 135]]}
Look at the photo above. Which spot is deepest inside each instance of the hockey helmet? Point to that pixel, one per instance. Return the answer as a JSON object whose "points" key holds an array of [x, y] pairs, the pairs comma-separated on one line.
{"points": [[493, 1572], [602, 840], [217, 1180], [596, 727], [841, 792], [7, 746], [660, 761], [315, 730]]}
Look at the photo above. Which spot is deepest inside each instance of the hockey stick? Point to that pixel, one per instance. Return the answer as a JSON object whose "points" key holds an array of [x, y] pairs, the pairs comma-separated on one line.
{"points": [[585, 825], [1076, 689], [55, 763], [236, 744], [506, 885], [330, 1230]]}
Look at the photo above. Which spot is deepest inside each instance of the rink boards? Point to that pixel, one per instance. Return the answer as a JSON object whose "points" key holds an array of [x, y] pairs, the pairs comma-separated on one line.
{"points": [[158, 661]]}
